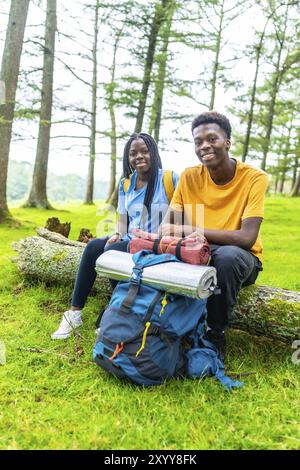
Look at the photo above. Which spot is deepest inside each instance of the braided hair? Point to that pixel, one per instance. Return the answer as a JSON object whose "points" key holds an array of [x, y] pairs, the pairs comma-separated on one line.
{"points": [[155, 165]]}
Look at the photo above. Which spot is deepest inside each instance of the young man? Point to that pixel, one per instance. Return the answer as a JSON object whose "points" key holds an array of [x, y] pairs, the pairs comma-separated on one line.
{"points": [[231, 197]]}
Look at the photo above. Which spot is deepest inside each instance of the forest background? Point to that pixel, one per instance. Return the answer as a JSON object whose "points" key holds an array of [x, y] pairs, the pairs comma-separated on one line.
{"points": [[77, 78], [91, 73]]}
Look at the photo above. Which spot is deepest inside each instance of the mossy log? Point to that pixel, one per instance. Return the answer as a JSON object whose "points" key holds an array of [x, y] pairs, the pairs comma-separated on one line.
{"points": [[52, 258], [263, 311], [268, 311]]}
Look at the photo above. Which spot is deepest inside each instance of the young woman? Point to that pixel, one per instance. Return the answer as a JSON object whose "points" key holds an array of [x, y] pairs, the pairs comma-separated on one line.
{"points": [[142, 203]]}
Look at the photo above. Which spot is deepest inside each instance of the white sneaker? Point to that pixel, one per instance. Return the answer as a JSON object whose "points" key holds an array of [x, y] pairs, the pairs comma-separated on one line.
{"points": [[70, 321]]}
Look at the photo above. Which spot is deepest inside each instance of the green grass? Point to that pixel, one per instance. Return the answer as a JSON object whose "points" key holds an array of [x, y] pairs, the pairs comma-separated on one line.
{"points": [[60, 399]]}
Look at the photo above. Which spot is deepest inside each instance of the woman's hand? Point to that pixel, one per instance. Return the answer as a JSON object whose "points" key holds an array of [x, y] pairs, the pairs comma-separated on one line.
{"points": [[116, 237], [197, 234]]}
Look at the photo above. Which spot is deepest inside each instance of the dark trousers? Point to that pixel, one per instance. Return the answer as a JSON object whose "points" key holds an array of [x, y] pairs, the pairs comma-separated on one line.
{"points": [[236, 268], [86, 274]]}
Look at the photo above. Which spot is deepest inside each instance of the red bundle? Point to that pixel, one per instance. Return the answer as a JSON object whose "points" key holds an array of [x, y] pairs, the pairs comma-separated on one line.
{"points": [[189, 250]]}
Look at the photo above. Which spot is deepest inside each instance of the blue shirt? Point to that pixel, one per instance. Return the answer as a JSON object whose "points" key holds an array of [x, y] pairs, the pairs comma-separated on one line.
{"points": [[132, 202]]}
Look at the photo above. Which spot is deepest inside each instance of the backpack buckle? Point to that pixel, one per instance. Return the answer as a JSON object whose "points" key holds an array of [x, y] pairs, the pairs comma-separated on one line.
{"points": [[137, 273], [216, 290]]}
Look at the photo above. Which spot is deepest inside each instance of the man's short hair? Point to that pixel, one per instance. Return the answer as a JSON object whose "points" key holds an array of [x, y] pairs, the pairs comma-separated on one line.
{"points": [[212, 117]]}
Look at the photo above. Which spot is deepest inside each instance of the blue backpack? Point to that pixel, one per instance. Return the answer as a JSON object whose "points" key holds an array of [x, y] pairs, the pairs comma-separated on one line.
{"points": [[142, 332]]}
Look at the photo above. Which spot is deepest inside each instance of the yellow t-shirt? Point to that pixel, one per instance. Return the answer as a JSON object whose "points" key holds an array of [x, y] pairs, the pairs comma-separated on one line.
{"points": [[223, 207]]}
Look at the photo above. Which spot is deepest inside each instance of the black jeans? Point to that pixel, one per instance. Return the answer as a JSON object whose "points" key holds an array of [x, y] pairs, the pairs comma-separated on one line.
{"points": [[236, 268], [86, 274]]}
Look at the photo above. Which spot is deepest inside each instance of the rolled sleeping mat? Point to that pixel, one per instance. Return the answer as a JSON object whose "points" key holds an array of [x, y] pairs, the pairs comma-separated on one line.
{"points": [[178, 278]]}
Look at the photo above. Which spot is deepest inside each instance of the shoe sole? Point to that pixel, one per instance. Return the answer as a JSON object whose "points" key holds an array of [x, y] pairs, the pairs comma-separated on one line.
{"points": [[66, 335]]}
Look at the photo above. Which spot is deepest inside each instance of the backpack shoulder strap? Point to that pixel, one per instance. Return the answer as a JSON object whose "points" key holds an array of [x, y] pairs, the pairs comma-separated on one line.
{"points": [[146, 258], [168, 184], [126, 184], [167, 180]]}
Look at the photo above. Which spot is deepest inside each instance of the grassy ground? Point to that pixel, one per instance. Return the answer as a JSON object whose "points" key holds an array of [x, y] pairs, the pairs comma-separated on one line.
{"points": [[59, 399]]}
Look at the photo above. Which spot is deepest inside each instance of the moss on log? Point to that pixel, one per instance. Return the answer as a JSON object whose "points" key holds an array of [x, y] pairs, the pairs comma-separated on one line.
{"points": [[269, 311], [263, 311], [52, 258]]}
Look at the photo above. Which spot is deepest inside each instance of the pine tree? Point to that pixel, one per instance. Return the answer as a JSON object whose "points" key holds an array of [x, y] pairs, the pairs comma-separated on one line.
{"points": [[157, 21], [89, 197], [9, 77], [38, 192], [161, 59]]}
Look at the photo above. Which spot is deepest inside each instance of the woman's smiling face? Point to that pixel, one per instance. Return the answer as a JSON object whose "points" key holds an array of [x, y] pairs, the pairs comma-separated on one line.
{"points": [[139, 156]]}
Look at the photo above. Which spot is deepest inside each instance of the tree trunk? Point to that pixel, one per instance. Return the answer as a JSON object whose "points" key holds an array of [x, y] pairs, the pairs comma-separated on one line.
{"points": [[282, 181], [156, 112], [276, 183], [270, 118], [274, 91], [216, 61], [113, 134], [285, 161], [296, 165], [113, 157], [113, 200], [9, 76], [253, 95], [284, 171], [262, 311], [296, 189], [156, 24], [155, 27], [38, 192], [295, 169], [89, 196]]}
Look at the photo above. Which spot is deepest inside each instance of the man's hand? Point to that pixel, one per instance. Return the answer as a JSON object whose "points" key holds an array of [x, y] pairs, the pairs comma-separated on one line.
{"points": [[116, 237], [245, 237]]}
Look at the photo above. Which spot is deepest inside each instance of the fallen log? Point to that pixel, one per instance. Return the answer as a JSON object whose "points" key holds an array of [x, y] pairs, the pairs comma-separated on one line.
{"points": [[261, 310], [270, 312], [52, 258]]}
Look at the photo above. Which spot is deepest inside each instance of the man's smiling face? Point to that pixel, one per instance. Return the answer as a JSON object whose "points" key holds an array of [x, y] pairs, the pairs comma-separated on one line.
{"points": [[211, 144]]}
